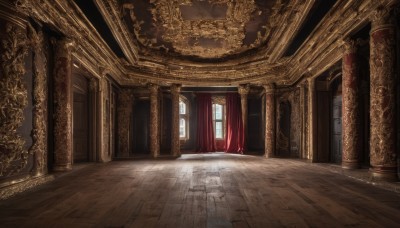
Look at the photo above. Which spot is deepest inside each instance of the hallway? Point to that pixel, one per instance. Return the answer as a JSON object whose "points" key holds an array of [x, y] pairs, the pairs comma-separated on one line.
{"points": [[203, 190]]}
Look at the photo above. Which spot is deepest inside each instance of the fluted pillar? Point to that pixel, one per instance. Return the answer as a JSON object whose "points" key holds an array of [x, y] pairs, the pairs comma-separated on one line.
{"points": [[383, 97], [269, 120], [154, 107], [351, 111], [175, 144], [312, 120], [244, 91], [62, 105]]}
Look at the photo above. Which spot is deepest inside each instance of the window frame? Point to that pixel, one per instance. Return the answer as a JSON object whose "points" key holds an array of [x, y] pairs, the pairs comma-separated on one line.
{"points": [[184, 116], [219, 101]]}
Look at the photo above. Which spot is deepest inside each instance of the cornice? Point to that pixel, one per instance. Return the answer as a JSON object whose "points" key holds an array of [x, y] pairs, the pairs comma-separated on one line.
{"points": [[111, 14], [319, 52], [67, 18], [322, 49]]}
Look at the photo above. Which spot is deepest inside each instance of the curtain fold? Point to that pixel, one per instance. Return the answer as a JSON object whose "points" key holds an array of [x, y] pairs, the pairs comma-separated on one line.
{"points": [[205, 130], [234, 140]]}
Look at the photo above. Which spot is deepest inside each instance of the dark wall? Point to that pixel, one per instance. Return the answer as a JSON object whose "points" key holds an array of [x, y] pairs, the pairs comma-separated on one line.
{"points": [[336, 145], [323, 126], [166, 124], [141, 121], [255, 136]]}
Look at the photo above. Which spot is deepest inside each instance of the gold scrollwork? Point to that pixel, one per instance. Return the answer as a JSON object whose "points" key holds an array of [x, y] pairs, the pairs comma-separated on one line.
{"points": [[14, 98]]}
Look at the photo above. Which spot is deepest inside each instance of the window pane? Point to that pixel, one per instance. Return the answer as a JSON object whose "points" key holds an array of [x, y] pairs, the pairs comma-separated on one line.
{"points": [[182, 107], [218, 112], [182, 128], [218, 130]]}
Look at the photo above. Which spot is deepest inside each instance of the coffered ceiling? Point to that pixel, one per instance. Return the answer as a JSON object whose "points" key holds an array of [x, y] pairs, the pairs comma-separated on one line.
{"points": [[206, 42]]}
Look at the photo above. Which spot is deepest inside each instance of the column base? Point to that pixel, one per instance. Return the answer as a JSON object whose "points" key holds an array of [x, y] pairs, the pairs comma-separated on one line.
{"points": [[269, 155], [350, 164], [62, 168], [384, 173]]}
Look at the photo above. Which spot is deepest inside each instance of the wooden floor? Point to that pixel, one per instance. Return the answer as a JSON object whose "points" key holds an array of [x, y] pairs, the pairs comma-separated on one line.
{"points": [[206, 190]]}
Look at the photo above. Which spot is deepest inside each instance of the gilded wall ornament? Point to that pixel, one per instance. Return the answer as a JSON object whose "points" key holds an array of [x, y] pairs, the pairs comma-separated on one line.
{"points": [[14, 99], [39, 132]]}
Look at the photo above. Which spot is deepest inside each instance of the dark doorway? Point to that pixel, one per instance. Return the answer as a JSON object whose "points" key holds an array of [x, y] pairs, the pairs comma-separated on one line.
{"points": [[336, 130], [283, 142], [80, 119], [141, 125]]}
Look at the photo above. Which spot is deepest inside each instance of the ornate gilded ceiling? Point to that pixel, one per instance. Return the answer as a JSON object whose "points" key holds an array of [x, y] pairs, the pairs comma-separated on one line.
{"points": [[205, 29], [205, 42]]}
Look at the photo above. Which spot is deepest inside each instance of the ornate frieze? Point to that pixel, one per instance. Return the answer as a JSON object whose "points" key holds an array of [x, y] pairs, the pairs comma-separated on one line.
{"points": [[383, 97], [62, 105], [175, 141], [270, 134], [351, 108], [13, 98]]}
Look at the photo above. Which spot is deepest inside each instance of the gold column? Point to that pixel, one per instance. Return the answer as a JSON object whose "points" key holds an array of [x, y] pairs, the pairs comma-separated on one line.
{"points": [[154, 107], [351, 111], [62, 105], [269, 120], [244, 91], [175, 144], [312, 120], [383, 96]]}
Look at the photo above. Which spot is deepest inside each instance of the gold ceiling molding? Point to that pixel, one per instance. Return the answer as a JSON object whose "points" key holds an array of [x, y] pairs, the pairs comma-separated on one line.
{"points": [[185, 34], [265, 64]]}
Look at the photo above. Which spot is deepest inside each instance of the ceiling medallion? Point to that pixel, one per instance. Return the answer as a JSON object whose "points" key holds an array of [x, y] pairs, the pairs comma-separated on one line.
{"points": [[201, 28]]}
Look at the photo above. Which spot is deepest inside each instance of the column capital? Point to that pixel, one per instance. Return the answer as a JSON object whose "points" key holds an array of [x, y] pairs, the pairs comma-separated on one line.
{"points": [[269, 88], [176, 88], [64, 45], [381, 17], [349, 45], [153, 88], [244, 89]]}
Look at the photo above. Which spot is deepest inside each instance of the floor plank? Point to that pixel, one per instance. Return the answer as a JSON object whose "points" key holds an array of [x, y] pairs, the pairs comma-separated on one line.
{"points": [[203, 190]]}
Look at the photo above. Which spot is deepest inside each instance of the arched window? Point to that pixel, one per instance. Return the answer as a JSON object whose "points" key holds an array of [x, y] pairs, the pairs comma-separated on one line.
{"points": [[183, 118]]}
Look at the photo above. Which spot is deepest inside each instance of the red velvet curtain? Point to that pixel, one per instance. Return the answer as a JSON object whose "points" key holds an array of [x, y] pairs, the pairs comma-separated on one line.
{"points": [[205, 129], [234, 139]]}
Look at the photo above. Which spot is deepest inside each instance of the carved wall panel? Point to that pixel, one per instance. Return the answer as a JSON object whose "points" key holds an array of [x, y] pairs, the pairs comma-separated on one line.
{"points": [[288, 133], [13, 94], [125, 108]]}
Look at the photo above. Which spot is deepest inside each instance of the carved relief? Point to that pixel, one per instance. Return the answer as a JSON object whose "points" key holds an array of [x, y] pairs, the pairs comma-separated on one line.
{"points": [[383, 108], [219, 34], [125, 106], [62, 105], [14, 98], [351, 113], [39, 133]]}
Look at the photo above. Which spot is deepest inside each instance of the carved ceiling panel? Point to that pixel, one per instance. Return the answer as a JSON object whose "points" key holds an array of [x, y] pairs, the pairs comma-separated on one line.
{"points": [[206, 29]]}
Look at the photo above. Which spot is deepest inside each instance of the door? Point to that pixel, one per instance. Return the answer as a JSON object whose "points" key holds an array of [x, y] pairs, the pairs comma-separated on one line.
{"points": [[80, 119]]}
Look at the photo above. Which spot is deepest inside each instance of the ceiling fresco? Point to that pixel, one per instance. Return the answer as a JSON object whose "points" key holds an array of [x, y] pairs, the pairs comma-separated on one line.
{"points": [[205, 29]]}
